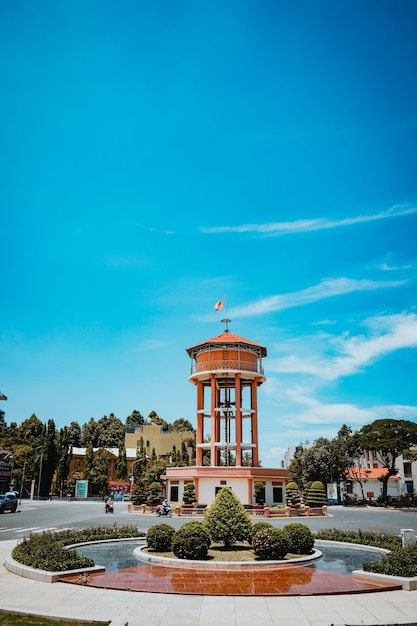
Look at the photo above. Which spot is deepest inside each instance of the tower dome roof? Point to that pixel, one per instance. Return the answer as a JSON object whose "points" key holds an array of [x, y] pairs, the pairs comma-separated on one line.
{"points": [[228, 339]]}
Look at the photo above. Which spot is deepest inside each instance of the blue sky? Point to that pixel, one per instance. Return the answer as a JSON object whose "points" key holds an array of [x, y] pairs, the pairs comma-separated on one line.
{"points": [[158, 156]]}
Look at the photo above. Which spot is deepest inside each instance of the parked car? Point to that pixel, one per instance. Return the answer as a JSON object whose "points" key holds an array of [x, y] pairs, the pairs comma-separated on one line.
{"points": [[8, 502]]}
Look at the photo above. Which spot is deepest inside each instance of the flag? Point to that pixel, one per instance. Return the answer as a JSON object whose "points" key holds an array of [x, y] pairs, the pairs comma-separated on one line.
{"points": [[219, 305]]}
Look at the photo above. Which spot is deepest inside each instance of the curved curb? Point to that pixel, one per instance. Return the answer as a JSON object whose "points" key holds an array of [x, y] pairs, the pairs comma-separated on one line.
{"points": [[42, 575], [170, 562]]}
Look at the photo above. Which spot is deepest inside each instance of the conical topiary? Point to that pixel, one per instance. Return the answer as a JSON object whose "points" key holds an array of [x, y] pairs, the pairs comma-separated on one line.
{"points": [[292, 494], [188, 496], [226, 519], [316, 494]]}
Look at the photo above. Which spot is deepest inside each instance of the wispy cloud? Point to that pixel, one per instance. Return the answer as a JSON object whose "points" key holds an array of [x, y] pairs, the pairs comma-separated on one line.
{"points": [[348, 355], [393, 268], [304, 226], [325, 289]]}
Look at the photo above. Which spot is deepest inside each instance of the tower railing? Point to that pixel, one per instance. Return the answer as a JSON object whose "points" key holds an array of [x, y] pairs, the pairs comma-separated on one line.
{"points": [[227, 364]]}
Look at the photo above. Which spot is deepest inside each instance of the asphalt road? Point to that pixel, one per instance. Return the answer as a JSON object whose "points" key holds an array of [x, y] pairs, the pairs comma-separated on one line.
{"points": [[36, 516]]}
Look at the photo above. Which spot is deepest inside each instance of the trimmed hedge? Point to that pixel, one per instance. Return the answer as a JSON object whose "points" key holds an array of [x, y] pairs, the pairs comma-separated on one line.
{"points": [[300, 538], [401, 562], [270, 543], [47, 550], [316, 495], [159, 537], [191, 541], [364, 537]]}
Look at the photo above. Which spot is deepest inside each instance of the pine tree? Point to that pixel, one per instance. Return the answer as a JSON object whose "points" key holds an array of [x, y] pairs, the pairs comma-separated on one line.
{"points": [[226, 519]]}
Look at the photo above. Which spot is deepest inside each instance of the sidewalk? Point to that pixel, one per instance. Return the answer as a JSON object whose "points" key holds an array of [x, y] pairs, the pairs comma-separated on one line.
{"points": [[62, 600]]}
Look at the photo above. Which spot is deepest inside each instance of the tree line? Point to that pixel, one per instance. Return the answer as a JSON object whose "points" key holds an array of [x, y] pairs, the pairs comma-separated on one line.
{"points": [[337, 460], [40, 452]]}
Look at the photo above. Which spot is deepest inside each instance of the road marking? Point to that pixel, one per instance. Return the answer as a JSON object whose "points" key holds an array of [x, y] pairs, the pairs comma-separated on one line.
{"points": [[24, 530], [4, 530]]}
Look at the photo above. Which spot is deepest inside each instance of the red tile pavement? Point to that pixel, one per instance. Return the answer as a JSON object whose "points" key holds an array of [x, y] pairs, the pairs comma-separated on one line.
{"points": [[286, 581]]}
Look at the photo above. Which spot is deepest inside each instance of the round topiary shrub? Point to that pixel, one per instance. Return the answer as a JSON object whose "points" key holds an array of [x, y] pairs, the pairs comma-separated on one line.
{"points": [[300, 538], [316, 494], [257, 526], [191, 541], [270, 543], [159, 537], [292, 494]]}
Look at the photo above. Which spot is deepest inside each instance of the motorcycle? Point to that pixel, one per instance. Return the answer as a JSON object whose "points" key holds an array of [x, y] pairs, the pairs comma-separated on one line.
{"points": [[109, 507], [164, 511]]}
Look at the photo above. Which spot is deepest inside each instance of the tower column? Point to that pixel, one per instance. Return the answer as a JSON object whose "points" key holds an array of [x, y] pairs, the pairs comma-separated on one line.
{"points": [[238, 421], [254, 420], [214, 422], [199, 424]]}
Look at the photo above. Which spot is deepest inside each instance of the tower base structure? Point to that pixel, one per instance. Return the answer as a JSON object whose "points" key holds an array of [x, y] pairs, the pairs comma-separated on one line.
{"points": [[209, 480]]}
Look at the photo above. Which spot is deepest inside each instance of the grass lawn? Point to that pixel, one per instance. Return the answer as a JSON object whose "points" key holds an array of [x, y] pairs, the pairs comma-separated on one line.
{"points": [[12, 619]]}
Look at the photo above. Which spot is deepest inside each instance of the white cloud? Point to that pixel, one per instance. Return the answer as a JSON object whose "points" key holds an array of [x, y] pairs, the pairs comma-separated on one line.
{"points": [[393, 268], [325, 289], [303, 226], [386, 334]]}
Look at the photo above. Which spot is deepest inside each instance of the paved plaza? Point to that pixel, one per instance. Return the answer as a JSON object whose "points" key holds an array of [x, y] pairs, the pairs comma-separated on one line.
{"points": [[64, 600]]}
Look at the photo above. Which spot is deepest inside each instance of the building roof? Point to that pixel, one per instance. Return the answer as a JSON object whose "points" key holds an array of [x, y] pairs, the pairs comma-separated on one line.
{"points": [[130, 452], [226, 338], [369, 472]]}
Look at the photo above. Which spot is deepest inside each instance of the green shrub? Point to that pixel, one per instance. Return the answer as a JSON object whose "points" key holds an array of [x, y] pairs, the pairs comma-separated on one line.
{"points": [[159, 537], [154, 493], [292, 493], [270, 543], [259, 526], [300, 538], [47, 551], [401, 562], [226, 520], [259, 492], [188, 497], [191, 541], [365, 537], [316, 495]]}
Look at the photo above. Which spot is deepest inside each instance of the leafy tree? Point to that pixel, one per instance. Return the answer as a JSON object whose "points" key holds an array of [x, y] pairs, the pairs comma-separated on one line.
{"points": [[387, 439], [99, 472], [155, 471], [89, 465], [139, 466], [49, 460], [64, 454], [185, 459], [154, 418], [89, 433], [135, 419], [139, 493], [296, 466], [74, 435], [121, 465], [226, 519], [181, 425], [154, 458], [111, 431]]}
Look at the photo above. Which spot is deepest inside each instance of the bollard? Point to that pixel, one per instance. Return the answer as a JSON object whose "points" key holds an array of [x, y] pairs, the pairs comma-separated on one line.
{"points": [[266, 511], [408, 537]]}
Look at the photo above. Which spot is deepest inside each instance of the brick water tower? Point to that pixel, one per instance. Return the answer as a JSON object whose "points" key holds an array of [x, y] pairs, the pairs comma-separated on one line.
{"points": [[227, 371]]}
